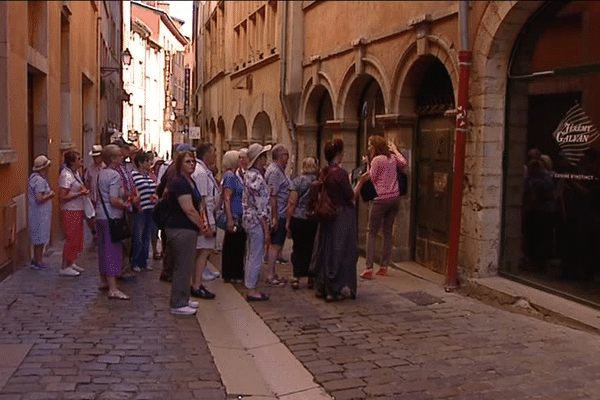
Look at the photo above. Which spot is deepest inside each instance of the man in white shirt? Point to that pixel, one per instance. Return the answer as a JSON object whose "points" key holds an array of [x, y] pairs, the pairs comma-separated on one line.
{"points": [[209, 190]]}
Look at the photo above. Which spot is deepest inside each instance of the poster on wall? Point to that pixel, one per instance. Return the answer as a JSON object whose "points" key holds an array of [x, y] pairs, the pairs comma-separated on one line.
{"points": [[575, 135], [194, 132]]}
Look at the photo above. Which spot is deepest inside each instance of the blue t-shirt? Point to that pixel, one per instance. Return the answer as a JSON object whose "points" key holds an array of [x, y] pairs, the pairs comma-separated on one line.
{"points": [[177, 218], [233, 182]]}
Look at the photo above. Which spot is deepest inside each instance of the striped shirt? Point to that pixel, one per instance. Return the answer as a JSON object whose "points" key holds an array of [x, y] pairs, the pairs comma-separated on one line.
{"points": [[146, 188], [279, 185]]}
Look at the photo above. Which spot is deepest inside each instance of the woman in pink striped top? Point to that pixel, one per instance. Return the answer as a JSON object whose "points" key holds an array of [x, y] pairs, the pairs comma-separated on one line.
{"points": [[385, 158]]}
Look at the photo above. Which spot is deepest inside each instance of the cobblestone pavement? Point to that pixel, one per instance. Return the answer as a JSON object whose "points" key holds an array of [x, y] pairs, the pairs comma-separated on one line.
{"points": [[385, 345], [86, 346]]}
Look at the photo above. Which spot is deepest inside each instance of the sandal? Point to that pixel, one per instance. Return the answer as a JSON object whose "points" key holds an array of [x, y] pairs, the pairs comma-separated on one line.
{"points": [[295, 284], [117, 294], [262, 297], [275, 282]]}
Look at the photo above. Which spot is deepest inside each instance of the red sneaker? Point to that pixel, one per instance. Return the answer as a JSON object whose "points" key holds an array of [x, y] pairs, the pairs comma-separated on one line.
{"points": [[367, 274], [383, 271]]}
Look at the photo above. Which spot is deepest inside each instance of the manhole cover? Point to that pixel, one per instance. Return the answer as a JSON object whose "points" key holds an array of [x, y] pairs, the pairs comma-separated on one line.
{"points": [[421, 298]]}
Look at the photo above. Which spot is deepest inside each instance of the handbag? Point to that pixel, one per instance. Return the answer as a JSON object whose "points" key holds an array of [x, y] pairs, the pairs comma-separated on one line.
{"points": [[118, 228], [88, 208], [221, 220], [367, 191], [402, 181]]}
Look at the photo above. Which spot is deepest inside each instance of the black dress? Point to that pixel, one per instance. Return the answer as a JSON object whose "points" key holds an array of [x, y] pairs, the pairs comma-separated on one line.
{"points": [[336, 253]]}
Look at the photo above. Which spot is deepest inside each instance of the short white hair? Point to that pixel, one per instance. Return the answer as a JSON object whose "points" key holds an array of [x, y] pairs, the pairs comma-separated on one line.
{"points": [[231, 159]]}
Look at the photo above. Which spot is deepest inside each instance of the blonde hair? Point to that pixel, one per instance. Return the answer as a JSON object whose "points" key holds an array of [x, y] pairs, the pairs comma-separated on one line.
{"points": [[309, 165]]}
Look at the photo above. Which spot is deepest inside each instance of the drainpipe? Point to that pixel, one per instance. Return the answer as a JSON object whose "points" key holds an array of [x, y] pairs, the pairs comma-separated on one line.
{"points": [[464, 58], [282, 91]]}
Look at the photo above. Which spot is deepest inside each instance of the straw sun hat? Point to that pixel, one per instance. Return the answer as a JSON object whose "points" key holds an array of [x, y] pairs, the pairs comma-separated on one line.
{"points": [[40, 163], [255, 150]]}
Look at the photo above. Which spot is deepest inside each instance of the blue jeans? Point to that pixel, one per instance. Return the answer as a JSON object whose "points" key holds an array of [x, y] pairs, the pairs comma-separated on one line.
{"points": [[142, 229], [255, 252]]}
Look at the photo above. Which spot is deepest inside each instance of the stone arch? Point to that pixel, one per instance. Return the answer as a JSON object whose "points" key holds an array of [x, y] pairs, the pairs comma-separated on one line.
{"points": [[500, 27], [269, 106], [212, 131], [306, 113], [239, 135], [353, 82], [262, 129], [403, 89], [313, 133]]}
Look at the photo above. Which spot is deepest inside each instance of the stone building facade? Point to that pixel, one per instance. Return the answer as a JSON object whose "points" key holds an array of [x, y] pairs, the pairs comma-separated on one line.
{"points": [[300, 73], [49, 103], [155, 77]]}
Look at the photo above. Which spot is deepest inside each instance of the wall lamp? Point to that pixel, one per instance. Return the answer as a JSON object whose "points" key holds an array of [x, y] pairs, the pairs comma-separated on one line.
{"points": [[125, 60]]}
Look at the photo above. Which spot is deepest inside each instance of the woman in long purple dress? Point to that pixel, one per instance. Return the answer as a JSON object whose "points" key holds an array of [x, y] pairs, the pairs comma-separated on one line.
{"points": [[111, 196]]}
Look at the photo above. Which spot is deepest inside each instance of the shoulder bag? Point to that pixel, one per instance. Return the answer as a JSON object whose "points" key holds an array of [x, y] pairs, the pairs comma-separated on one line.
{"points": [[319, 205], [117, 227], [161, 211]]}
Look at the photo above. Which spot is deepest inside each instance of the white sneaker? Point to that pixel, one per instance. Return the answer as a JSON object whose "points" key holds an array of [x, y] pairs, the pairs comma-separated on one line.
{"points": [[77, 268], [209, 275], [68, 272], [137, 269], [186, 310], [193, 304]]}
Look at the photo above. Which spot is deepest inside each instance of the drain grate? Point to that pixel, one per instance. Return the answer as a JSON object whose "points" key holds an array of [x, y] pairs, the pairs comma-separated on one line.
{"points": [[421, 298]]}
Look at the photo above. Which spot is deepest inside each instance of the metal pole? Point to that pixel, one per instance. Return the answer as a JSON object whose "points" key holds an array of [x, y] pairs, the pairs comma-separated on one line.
{"points": [[464, 58]]}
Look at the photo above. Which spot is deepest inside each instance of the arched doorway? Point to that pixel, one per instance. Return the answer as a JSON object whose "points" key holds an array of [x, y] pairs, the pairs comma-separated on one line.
{"points": [[365, 101], [212, 131], [238, 133], [319, 110], [434, 155], [550, 212], [261, 129]]}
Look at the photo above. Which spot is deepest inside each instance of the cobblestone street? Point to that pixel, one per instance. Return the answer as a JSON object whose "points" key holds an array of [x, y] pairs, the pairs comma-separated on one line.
{"points": [[435, 346], [85, 346], [402, 338]]}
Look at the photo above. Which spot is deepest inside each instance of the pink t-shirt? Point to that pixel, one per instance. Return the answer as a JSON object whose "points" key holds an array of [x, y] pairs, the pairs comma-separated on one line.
{"points": [[385, 176]]}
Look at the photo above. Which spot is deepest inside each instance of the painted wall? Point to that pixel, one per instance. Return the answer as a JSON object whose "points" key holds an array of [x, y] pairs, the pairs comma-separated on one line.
{"points": [[46, 57]]}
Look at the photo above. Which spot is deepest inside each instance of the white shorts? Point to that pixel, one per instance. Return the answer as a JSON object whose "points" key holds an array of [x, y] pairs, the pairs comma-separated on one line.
{"points": [[204, 242]]}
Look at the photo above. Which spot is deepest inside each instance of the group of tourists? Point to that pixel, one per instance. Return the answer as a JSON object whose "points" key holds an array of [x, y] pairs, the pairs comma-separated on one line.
{"points": [[112, 187], [255, 204]]}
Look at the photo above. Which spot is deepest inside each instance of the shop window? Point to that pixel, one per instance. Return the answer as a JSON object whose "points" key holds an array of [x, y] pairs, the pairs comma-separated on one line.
{"points": [[551, 208]]}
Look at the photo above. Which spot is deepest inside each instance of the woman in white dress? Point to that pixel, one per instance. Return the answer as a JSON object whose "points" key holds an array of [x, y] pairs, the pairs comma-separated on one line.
{"points": [[39, 213]]}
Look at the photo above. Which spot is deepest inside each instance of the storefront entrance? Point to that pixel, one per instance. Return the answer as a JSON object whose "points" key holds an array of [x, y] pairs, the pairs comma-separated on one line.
{"points": [[551, 229]]}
